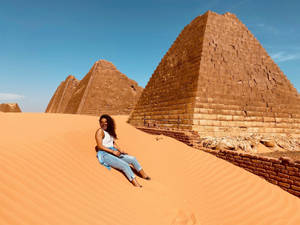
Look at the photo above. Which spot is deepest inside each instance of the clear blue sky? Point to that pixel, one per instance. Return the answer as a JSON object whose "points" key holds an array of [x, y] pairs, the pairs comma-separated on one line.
{"points": [[42, 42]]}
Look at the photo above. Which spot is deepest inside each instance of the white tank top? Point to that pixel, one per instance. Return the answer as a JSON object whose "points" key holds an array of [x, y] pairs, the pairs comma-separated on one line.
{"points": [[108, 140]]}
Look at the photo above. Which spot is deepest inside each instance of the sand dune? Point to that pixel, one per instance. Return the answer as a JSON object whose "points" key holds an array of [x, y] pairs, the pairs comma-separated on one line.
{"points": [[50, 175]]}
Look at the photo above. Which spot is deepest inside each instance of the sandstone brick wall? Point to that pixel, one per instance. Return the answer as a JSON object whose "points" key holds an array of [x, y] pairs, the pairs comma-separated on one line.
{"points": [[240, 88], [169, 94], [283, 172]]}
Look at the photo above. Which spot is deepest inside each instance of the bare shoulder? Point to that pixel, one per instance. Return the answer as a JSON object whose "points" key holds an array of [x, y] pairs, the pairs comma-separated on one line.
{"points": [[99, 133]]}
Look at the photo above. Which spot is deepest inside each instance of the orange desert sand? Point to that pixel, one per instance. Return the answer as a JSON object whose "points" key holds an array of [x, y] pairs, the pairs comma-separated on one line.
{"points": [[50, 175]]}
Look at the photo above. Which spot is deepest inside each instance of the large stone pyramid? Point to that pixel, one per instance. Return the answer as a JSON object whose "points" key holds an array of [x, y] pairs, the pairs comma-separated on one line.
{"points": [[217, 79], [104, 89]]}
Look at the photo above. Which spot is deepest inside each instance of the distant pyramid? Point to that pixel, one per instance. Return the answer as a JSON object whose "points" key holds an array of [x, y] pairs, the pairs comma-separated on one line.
{"points": [[62, 95], [104, 89], [217, 78], [9, 107]]}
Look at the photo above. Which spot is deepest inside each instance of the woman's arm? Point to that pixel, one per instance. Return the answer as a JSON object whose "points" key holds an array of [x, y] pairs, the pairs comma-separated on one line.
{"points": [[118, 148], [116, 145], [99, 136]]}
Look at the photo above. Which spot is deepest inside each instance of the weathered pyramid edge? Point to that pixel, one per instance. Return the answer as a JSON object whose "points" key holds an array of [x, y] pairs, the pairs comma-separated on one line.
{"points": [[54, 99], [232, 15], [131, 115], [83, 99], [188, 100], [54, 105]]}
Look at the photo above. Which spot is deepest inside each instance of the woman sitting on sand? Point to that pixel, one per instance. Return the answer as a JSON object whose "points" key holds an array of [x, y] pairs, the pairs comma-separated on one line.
{"points": [[109, 153]]}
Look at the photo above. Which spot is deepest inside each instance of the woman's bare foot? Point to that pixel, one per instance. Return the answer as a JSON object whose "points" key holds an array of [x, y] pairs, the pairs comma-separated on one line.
{"points": [[135, 183], [144, 175]]}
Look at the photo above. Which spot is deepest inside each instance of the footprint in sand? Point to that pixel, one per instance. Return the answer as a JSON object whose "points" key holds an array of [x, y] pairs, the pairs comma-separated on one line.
{"points": [[184, 218]]}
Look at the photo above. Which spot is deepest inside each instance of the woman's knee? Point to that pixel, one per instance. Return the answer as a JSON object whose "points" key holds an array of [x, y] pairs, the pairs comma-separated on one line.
{"points": [[132, 158], [124, 166]]}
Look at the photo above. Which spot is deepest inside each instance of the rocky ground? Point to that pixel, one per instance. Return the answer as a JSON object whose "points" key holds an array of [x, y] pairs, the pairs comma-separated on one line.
{"points": [[274, 146]]}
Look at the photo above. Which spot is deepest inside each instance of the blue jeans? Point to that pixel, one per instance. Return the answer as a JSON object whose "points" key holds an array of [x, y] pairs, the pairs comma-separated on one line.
{"points": [[122, 162]]}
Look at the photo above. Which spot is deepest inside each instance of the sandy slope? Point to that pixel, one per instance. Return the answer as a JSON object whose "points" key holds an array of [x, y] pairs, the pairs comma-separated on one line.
{"points": [[49, 174]]}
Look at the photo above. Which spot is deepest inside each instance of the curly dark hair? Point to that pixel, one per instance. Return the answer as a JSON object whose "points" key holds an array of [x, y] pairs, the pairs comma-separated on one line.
{"points": [[110, 125]]}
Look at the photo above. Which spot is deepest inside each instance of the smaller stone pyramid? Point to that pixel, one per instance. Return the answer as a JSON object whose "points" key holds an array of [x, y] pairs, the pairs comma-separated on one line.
{"points": [[10, 107], [104, 89]]}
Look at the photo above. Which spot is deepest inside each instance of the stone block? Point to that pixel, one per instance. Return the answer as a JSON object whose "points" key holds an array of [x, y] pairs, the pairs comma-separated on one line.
{"points": [[296, 193], [205, 116], [295, 187], [269, 119], [283, 175], [224, 117], [286, 185]]}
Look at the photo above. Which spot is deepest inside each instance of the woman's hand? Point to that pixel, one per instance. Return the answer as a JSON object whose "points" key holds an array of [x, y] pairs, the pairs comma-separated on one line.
{"points": [[116, 146], [116, 153], [122, 152]]}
